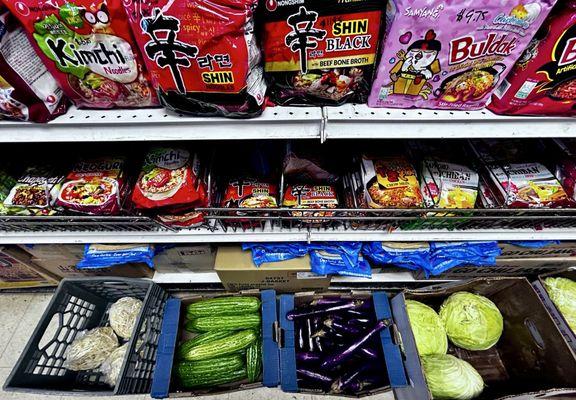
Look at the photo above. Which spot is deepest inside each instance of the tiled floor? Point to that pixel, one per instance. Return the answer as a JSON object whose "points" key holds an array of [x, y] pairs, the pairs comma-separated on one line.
{"points": [[19, 314]]}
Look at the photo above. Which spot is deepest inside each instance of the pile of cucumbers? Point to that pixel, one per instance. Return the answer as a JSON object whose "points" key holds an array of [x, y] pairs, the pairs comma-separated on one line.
{"points": [[227, 347]]}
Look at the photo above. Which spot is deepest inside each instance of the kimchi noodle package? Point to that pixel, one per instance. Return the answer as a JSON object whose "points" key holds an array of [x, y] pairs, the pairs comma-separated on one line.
{"points": [[202, 54], [544, 79], [27, 90], [87, 46], [321, 52], [452, 54]]}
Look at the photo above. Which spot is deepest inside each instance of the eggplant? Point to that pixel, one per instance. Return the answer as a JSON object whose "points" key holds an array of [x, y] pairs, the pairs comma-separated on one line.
{"points": [[343, 382], [310, 312], [300, 342], [342, 328], [315, 376], [328, 333], [318, 344], [369, 352], [307, 357], [325, 301], [339, 357], [309, 338], [348, 320]]}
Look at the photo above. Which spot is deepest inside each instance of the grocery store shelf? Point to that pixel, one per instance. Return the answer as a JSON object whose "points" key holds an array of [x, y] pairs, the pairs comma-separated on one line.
{"points": [[282, 235], [361, 122], [157, 124]]}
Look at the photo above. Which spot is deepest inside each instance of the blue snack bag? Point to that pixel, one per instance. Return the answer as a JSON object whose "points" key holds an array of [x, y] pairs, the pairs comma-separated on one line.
{"points": [[339, 258], [274, 252], [412, 256], [104, 256], [447, 255]]}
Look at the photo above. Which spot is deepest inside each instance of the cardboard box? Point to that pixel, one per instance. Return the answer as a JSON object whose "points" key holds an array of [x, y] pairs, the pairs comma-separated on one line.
{"points": [[563, 249], [73, 252], [186, 258], [237, 271], [507, 267], [173, 332], [531, 357], [561, 322], [16, 273]]}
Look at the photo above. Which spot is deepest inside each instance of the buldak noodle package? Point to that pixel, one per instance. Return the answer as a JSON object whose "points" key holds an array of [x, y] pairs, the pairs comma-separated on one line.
{"points": [[27, 90], [321, 52], [87, 46], [452, 54], [202, 54], [544, 79]]}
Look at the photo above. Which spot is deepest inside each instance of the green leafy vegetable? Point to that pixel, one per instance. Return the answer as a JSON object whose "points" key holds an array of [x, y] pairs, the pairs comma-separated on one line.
{"points": [[450, 378], [562, 292], [472, 322], [428, 329]]}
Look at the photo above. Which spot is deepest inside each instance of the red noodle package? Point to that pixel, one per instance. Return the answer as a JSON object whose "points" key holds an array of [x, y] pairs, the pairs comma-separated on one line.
{"points": [[544, 80], [87, 46], [202, 54], [27, 90]]}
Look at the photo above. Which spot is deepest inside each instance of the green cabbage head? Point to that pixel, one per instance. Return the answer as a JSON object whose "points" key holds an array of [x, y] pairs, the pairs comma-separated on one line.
{"points": [[562, 292], [428, 329], [471, 321], [450, 378]]}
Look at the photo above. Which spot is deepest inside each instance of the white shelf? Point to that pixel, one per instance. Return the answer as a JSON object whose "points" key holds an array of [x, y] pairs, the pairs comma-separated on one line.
{"points": [[361, 122], [157, 124], [345, 122], [204, 236]]}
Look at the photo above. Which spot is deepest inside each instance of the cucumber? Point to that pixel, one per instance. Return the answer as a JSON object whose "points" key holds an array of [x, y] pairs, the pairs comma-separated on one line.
{"points": [[200, 339], [209, 373], [223, 306], [225, 323], [254, 361], [233, 343]]}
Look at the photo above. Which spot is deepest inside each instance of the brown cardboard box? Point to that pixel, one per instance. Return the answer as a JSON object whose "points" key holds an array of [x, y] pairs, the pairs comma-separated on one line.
{"points": [[186, 258], [237, 271], [563, 249], [507, 267], [60, 251], [18, 273]]}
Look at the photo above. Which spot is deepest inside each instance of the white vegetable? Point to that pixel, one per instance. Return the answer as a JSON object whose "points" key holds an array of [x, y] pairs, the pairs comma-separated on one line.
{"points": [[88, 351], [450, 378], [123, 316], [113, 364]]}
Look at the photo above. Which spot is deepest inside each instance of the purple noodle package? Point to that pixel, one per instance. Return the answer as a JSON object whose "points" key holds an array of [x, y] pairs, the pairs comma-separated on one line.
{"points": [[452, 54]]}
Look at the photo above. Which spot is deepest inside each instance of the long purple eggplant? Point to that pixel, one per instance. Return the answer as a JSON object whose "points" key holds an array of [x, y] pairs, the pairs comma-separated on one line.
{"points": [[300, 341], [310, 312], [310, 339], [307, 357], [369, 352], [328, 333], [337, 358], [316, 376], [363, 383], [341, 384], [326, 301], [347, 320], [343, 328]]}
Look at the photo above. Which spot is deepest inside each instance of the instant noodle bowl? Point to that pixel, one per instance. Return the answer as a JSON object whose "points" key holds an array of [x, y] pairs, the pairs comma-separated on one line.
{"points": [[321, 52], [36, 191], [94, 187], [390, 182], [202, 54], [169, 177], [27, 90], [87, 46], [544, 79], [452, 54], [317, 197], [448, 185]]}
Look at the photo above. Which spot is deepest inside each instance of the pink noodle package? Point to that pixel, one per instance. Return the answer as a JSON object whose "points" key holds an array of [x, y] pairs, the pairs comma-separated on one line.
{"points": [[452, 54]]}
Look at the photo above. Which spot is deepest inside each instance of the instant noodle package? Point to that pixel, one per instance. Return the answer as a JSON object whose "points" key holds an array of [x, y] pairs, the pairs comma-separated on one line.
{"points": [[27, 90], [448, 185], [202, 54], [544, 79], [250, 193], [94, 186], [452, 54], [87, 46], [320, 52], [318, 197]]}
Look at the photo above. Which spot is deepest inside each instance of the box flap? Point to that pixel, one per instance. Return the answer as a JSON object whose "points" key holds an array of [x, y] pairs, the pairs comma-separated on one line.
{"points": [[417, 389], [270, 351], [288, 378], [233, 258], [166, 348], [392, 354]]}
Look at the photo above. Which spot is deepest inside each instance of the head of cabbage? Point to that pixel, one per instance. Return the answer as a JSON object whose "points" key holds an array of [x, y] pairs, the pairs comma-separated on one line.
{"points": [[450, 378], [472, 322], [428, 330], [562, 292]]}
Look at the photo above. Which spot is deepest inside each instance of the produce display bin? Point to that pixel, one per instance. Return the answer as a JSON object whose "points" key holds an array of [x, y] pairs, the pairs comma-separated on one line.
{"points": [[530, 360], [164, 386], [83, 304], [394, 367], [560, 320]]}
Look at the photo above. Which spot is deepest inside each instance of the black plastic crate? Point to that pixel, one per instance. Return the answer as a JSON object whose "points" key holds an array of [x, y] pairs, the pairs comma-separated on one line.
{"points": [[81, 304]]}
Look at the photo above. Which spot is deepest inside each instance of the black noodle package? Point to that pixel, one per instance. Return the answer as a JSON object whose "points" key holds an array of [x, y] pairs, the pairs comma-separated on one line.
{"points": [[320, 52]]}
